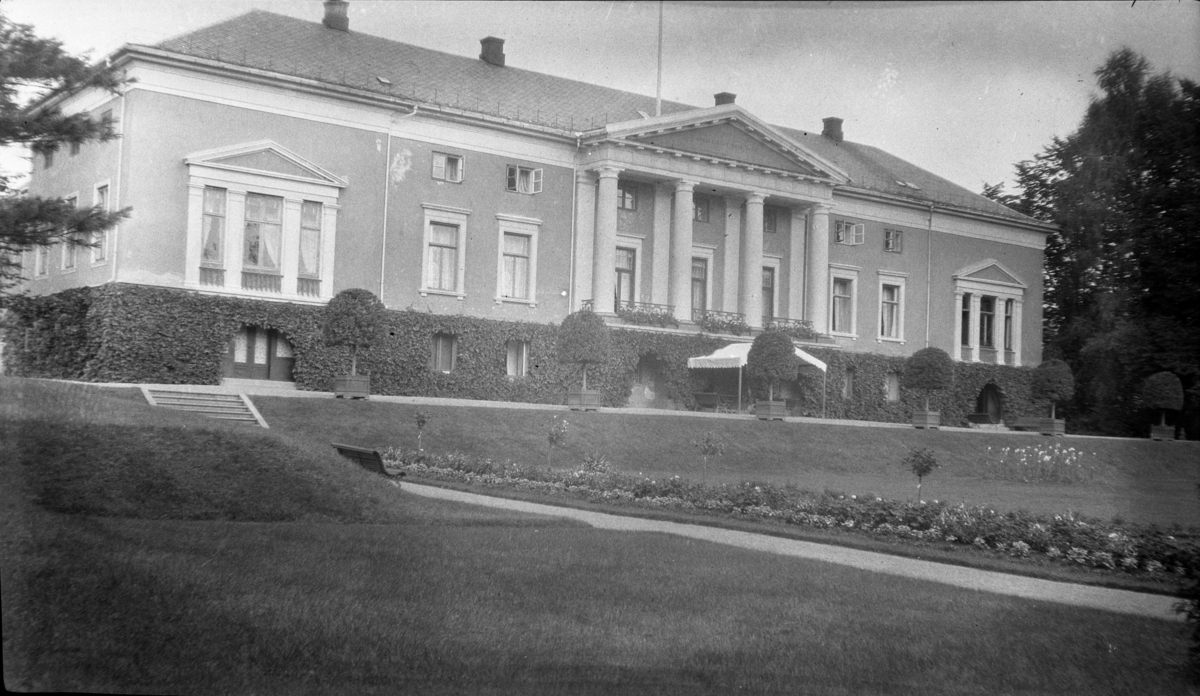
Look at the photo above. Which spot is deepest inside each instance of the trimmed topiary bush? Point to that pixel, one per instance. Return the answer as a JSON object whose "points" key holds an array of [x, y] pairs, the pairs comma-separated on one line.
{"points": [[354, 318], [584, 339], [1163, 391], [772, 359], [928, 370], [1053, 382]]}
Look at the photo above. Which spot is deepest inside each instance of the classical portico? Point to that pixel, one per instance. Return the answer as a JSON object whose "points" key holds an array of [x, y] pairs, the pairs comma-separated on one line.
{"points": [[708, 180]]}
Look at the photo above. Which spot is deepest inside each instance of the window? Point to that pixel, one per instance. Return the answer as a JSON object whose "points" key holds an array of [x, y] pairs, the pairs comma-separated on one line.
{"points": [[106, 117], [891, 386], [515, 282], [69, 249], [524, 179], [445, 352], [848, 384], [311, 213], [1008, 324], [48, 157], [699, 285], [842, 317], [889, 311], [700, 208], [768, 294], [264, 226], [447, 167], [213, 250], [100, 238], [442, 273], [848, 232], [626, 265], [770, 220], [74, 149], [987, 321], [893, 241], [627, 195], [518, 358], [41, 261], [966, 319]]}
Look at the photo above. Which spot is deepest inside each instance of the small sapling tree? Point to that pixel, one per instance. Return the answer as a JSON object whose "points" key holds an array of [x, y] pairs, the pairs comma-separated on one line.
{"points": [[710, 446], [928, 370], [421, 419], [556, 434], [921, 461], [354, 318], [772, 359], [1163, 391], [1053, 382]]}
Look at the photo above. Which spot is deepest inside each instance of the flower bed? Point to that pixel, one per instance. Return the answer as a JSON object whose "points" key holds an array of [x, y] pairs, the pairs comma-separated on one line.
{"points": [[1064, 538]]}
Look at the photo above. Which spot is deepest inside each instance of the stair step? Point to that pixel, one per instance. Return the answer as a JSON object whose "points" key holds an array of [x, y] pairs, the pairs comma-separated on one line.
{"points": [[208, 409], [193, 402], [227, 407], [186, 396]]}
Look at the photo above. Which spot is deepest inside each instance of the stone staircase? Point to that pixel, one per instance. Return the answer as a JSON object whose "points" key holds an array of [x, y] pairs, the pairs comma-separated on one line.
{"points": [[223, 406]]}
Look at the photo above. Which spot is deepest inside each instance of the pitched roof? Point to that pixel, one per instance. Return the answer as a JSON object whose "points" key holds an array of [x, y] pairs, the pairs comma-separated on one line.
{"points": [[299, 48]]}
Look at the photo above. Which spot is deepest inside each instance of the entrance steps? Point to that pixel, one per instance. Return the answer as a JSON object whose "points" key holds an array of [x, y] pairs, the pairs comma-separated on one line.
{"points": [[229, 407]]}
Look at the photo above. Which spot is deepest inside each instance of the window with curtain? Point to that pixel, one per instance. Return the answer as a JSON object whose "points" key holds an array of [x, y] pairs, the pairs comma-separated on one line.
{"points": [[445, 352], [626, 263], [700, 284], [843, 306], [965, 313], [516, 266], [889, 311], [443, 257], [987, 322], [518, 358], [213, 235], [264, 227], [768, 294], [310, 238], [1008, 324], [100, 238]]}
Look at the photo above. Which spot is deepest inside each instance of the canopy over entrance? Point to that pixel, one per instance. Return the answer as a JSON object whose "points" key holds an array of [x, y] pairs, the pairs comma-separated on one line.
{"points": [[734, 355]]}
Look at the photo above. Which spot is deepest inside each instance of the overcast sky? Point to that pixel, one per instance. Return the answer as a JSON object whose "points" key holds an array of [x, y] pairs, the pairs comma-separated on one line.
{"points": [[964, 89]]}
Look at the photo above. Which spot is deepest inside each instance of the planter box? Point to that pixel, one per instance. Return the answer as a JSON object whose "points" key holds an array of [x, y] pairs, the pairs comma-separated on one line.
{"points": [[927, 419], [352, 386], [770, 410], [583, 399], [1162, 432], [1052, 426]]}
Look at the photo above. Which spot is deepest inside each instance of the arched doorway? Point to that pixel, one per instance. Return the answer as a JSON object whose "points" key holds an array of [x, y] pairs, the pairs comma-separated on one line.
{"points": [[258, 353], [649, 387], [991, 402]]}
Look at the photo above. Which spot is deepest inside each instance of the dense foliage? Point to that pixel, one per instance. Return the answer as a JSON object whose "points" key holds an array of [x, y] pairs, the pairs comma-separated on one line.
{"points": [[1053, 382], [928, 370], [772, 359], [1162, 390], [354, 319], [584, 339], [1121, 301]]}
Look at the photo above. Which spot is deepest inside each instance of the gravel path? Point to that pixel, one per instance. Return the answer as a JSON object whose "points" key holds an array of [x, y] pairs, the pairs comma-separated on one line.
{"points": [[1120, 601]]}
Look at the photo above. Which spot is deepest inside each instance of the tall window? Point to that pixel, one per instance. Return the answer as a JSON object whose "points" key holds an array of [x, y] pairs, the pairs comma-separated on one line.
{"points": [[699, 284], [518, 358], [447, 167], [770, 219], [310, 239], [445, 352], [768, 293], [443, 257], [41, 261], [48, 157], [516, 266], [1008, 324], [264, 225], [700, 208], [100, 238], [848, 384], [966, 319], [524, 179], [213, 239], [987, 322], [889, 311], [626, 263], [891, 386], [893, 241], [627, 195], [69, 250], [842, 319]]}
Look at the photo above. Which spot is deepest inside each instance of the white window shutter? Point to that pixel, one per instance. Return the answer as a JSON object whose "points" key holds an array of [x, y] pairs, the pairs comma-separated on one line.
{"points": [[860, 232], [537, 181], [439, 166]]}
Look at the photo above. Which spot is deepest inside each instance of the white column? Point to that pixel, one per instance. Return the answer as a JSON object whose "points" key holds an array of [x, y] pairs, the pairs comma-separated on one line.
{"points": [[795, 269], [818, 267], [1016, 333], [750, 301], [732, 248], [974, 336], [660, 285], [604, 251], [195, 237], [585, 236], [956, 346], [681, 251]]}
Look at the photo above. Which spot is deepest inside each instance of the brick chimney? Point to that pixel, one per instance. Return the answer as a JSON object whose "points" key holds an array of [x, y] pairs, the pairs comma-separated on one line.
{"points": [[833, 128], [724, 98], [335, 15], [492, 51]]}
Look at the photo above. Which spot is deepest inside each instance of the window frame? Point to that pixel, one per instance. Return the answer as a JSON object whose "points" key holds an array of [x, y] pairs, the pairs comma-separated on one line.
{"points": [[837, 273], [320, 230], [513, 174], [849, 375], [446, 158], [627, 195], [517, 362], [891, 387], [701, 208], [99, 252], [775, 263], [770, 219], [898, 280], [706, 253], [987, 323], [69, 251], [893, 240], [452, 217], [1009, 314], [524, 227], [849, 233], [41, 261], [634, 243], [437, 341], [277, 269]]}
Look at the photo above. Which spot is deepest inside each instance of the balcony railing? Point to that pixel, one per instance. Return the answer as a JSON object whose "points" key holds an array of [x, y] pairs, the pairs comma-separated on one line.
{"points": [[721, 322], [308, 286], [647, 314], [212, 276], [799, 329], [263, 282]]}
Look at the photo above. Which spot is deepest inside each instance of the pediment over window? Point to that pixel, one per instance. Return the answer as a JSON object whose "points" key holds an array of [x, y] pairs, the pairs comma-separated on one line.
{"points": [[728, 134], [265, 158], [989, 271]]}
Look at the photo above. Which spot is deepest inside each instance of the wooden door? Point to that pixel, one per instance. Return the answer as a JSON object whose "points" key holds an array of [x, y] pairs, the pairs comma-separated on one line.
{"points": [[258, 353]]}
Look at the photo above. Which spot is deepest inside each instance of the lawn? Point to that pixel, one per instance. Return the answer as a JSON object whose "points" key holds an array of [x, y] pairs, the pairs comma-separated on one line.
{"points": [[294, 572]]}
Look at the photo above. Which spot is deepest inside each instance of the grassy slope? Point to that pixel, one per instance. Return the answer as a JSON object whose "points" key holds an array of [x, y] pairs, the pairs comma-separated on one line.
{"points": [[1143, 481], [381, 592]]}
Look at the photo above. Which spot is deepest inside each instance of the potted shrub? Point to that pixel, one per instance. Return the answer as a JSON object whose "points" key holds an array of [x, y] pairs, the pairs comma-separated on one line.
{"points": [[1053, 381], [1163, 391], [584, 339], [353, 318], [926, 371], [772, 359]]}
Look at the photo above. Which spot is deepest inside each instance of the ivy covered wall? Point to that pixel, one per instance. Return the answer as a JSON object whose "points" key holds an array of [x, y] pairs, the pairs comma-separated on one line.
{"points": [[133, 333]]}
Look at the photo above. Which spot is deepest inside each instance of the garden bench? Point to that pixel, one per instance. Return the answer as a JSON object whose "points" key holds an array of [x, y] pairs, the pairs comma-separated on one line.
{"points": [[369, 459]]}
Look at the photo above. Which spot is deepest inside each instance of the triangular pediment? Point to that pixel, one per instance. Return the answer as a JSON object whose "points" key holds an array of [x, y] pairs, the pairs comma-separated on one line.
{"points": [[726, 133], [265, 157], [989, 271]]}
